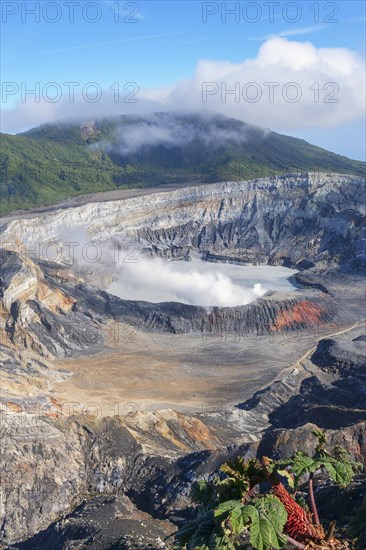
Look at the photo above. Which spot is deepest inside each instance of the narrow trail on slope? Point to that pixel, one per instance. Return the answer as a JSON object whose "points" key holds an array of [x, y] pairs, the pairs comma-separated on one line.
{"points": [[299, 362], [278, 392]]}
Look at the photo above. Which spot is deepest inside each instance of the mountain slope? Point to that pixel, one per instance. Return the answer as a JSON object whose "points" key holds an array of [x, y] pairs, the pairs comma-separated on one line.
{"points": [[53, 162]]}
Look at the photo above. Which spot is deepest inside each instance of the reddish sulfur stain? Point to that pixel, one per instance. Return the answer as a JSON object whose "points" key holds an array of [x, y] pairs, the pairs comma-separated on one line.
{"points": [[304, 312]]}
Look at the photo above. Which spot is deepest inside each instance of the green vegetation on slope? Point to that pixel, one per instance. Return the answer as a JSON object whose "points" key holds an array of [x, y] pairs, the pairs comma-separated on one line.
{"points": [[42, 172], [55, 162]]}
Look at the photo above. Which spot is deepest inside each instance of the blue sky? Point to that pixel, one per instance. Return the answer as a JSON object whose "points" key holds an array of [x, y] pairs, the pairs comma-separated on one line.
{"points": [[158, 44]]}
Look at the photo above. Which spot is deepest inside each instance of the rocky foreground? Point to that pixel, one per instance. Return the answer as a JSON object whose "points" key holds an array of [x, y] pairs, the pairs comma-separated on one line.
{"points": [[80, 481], [126, 480]]}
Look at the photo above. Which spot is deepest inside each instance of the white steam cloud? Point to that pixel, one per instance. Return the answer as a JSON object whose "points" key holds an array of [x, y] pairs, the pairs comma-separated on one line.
{"points": [[161, 281], [137, 277]]}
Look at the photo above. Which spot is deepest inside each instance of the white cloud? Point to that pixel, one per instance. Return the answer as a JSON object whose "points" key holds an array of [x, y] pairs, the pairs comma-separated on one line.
{"points": [[359, 19], [284, 62], [291, 32], [328, 83], [302, 30], [113, 42]]}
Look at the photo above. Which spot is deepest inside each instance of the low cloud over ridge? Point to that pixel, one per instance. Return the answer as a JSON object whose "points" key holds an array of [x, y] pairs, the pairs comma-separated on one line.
{"points": [[176, 129]]}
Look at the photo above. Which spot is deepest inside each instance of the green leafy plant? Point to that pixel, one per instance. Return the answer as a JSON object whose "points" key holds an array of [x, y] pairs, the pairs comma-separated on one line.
{"points": [[256, 502]]}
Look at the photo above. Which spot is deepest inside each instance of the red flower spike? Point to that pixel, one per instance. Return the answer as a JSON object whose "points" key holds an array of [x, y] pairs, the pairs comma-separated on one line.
{"points": [[299, 525]]}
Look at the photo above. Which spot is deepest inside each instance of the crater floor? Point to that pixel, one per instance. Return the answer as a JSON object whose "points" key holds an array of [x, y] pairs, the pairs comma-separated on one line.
{"points": [[185, 372]]}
